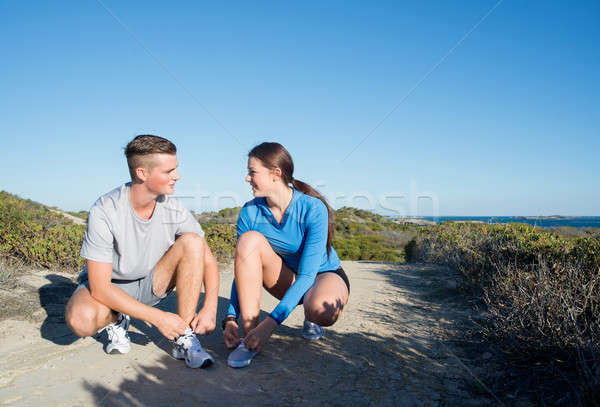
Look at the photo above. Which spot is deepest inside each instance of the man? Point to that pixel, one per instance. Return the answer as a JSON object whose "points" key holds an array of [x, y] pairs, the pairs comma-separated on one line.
{"points": [[139, 245]]}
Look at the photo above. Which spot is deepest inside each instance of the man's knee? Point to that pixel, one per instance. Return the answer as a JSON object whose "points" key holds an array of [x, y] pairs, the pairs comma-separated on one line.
{"points": [[192, 244], [248, 243], [82, 320]]}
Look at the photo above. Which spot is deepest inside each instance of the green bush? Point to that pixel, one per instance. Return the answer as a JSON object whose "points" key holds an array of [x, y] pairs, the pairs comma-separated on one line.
{"points": [[363, 235], [31, 232], [367, 247], [221, 239], [227, 216], [359, 235], [37, 235], [541, 288]]}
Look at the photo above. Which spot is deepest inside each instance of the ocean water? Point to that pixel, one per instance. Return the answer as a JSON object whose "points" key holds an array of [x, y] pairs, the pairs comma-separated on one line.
{"points": [[574, 221]]}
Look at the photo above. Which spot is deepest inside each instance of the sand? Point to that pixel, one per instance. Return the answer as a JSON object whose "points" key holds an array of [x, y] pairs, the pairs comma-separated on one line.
{"points": [[392, 346]]}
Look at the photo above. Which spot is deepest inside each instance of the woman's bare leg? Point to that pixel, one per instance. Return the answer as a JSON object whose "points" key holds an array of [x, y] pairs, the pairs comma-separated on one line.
{"points": [[257, 265], [324, 302]]}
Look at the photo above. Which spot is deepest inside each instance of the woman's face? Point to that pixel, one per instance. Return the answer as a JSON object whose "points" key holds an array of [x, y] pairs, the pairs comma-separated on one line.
{"points": [[260, 178]]}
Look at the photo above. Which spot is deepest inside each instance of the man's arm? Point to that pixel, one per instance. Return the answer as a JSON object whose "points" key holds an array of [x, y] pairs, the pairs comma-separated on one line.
{"points": [[101, 289], [204, 322]]}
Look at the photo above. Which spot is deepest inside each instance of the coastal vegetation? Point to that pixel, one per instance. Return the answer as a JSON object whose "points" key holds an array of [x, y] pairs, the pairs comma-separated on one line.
{"points": [[40, 235], [33, 234], [541, 290], [359, 235], [363, 235]]}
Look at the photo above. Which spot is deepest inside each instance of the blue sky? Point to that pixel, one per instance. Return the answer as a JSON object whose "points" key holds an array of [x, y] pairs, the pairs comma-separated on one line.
{"points": [[504, 122]]}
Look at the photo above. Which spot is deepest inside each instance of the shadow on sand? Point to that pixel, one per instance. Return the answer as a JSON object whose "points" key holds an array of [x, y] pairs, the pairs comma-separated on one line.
{"points": [[53, 298], [376, 362]]}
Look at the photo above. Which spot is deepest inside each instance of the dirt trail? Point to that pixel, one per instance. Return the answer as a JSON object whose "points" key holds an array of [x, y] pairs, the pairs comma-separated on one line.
{"points": [[387, 349], [75, 219]]}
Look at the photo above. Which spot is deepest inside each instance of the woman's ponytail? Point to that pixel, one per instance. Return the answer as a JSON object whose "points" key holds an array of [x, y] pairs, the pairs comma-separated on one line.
{"points": [[308, 190]]}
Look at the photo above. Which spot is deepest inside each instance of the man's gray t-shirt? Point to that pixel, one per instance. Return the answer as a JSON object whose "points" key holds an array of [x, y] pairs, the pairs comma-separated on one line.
{"points": [[116, 234]]}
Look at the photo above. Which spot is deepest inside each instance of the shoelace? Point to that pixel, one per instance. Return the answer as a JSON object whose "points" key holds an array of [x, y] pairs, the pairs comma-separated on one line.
{"points": [[190, 342], [116, 330]]}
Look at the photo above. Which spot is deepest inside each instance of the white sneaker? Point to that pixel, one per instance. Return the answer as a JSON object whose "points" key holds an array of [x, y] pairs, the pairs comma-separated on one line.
{"points": [[312, 331], [118, 339], [188, 347], [240, 356]]}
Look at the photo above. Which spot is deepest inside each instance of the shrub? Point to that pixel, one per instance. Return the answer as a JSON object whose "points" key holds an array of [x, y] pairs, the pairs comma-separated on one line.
{"points": [[541, 289], [363, 235], [367, 247], [359, 235], [31, 232], [221, 239], [227, 216]]}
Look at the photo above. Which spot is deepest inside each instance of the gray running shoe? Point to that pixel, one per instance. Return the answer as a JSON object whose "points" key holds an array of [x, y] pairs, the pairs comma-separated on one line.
{"points": [[311, 330], [188, 347], [118, 339], [240, 356]]}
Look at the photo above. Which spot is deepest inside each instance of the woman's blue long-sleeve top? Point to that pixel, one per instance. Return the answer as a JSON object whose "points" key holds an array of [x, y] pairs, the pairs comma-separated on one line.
{"points": [[300, 239]]}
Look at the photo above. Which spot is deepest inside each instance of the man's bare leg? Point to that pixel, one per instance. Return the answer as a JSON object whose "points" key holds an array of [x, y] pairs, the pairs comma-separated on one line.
{"points": [[182, 266], [85, 315]]}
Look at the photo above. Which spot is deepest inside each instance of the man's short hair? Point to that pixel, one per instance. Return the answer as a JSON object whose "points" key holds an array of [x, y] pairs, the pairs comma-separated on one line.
{"points": [[138, 150]]}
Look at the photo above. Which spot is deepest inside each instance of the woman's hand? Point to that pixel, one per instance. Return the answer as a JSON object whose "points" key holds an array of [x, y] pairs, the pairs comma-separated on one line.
{"points": [[231, 335], [258, 337]]}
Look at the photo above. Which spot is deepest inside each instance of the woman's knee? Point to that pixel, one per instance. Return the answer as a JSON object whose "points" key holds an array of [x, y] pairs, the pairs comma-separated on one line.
{"points": [[324, 312]]}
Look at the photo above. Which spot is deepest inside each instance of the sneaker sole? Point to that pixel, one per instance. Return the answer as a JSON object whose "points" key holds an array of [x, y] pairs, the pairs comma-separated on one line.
{"points": [[238, 364], [117, 351], [205, 363], [312, 337]]}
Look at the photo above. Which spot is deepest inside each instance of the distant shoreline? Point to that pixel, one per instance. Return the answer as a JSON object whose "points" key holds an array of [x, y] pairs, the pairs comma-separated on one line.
{"points": [[553, 221]]}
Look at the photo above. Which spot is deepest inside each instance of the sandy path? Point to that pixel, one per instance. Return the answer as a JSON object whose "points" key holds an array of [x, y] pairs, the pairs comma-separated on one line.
{"points": [[385, 350], [75, 219]]}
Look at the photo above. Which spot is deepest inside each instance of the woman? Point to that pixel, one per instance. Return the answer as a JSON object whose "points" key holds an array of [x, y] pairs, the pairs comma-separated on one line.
{"points": [[284, 245]]}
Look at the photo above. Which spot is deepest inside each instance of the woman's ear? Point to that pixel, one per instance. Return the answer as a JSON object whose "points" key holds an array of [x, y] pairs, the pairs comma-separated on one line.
{"points": [[277, 174]]}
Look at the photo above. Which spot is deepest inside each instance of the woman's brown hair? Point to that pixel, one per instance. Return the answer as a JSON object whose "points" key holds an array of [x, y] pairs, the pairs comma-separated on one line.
{"points": [[274, 155]]}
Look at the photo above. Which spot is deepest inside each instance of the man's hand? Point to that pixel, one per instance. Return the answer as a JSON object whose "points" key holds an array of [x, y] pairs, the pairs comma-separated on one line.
{"points": [[204, 322], [231, 335], [170, 325], [258, 337]]}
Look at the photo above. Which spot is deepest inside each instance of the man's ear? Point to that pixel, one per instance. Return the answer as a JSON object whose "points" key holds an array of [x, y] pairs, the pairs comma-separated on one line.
{"points": [[141, 173]]}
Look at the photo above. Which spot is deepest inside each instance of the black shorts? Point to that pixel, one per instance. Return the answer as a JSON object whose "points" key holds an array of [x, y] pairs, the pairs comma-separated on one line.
{"points": [[340, 272]]}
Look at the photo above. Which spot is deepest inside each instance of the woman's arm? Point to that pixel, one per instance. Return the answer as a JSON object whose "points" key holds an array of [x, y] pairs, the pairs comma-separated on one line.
{"points": [[315, 247]]}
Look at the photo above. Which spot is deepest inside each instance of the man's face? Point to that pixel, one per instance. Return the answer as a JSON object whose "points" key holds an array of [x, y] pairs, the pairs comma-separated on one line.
{"points": [[162, 174]]}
